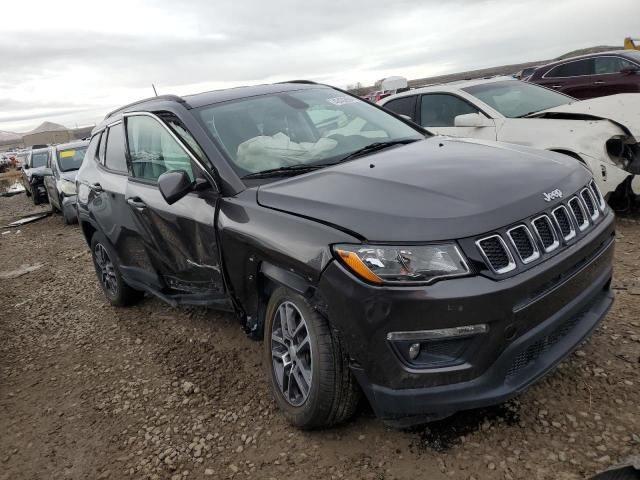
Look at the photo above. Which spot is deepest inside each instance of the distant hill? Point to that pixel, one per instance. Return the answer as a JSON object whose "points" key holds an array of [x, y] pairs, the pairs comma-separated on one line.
{"points": [[47, 127], [9, 137]]}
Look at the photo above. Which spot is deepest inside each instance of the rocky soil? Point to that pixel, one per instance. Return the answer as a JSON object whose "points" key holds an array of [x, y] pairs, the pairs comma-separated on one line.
{"points": [[153, 392]]}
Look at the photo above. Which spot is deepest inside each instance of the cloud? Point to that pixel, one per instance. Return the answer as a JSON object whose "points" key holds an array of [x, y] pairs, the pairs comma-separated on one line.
{"points": [[77, 56]]}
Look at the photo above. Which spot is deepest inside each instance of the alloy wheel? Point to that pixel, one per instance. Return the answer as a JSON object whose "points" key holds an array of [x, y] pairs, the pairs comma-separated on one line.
{"points": [[106, 269], [291, 354]]}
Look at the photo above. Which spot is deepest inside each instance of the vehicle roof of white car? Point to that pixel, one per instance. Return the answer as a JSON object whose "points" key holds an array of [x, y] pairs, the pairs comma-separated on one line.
{"points": [[73, 144], [449, 87]]}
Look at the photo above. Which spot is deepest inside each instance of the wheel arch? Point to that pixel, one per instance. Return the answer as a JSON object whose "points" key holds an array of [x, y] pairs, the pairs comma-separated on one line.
{"points": [[88, 231], [270, 277]]}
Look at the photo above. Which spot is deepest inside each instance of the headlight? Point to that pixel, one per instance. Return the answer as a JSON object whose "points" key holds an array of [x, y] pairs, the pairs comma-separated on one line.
{"points": [[402, 264], [67, 187]]}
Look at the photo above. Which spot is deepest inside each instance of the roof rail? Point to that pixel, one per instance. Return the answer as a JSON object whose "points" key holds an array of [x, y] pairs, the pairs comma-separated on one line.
{"points": [[174, 98], [307, 82]]}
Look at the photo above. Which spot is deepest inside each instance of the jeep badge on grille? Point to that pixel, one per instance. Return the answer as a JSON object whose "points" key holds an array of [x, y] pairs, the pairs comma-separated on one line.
{"points": [[557, 193]]}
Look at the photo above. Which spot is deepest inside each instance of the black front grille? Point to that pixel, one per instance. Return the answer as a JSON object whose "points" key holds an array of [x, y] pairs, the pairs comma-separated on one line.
{"points": [[495, 253], [535, 350], [588, 201], [550, 231], [574, 203], [522, 242], [545, 232], [562, 217]]}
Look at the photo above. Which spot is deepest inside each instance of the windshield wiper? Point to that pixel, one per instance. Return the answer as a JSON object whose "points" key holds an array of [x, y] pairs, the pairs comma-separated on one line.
{"points": [[527, 114], [275, 172], [375, 147]]}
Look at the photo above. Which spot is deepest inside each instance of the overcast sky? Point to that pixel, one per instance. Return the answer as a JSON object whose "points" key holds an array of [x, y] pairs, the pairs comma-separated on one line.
{"points": [[71, 61]]}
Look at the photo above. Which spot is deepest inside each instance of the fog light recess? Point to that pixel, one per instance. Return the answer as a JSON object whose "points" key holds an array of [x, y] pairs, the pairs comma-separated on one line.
{"points": [[435, 348]]}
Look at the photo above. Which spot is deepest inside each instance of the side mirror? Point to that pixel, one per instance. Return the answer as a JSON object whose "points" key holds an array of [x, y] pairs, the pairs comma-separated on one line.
{"points": [[174, 185], [45, 172], [629, 70], [472, 120]]}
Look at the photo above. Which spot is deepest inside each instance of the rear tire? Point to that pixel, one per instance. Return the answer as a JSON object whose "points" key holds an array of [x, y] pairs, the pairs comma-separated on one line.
{"points": [[54, 209], [67, 220], [308, 369], [118, 293]]}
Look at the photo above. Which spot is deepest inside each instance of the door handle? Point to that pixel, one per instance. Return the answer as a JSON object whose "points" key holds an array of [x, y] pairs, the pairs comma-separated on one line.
{"points": [[556, 86], [96, 187], [136, 203], [599, 82]]}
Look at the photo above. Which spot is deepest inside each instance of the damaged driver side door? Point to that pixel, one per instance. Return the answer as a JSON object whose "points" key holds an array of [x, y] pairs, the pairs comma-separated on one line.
{"points": [[179, 239]]}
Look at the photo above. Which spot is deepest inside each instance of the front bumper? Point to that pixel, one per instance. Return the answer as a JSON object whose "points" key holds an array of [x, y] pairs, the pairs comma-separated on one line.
{"points": [[69, 208], [535, 320]]}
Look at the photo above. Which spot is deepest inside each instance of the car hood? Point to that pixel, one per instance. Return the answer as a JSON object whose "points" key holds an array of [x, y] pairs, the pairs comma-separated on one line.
{"points": [[70, 175], [623, 109], [30, 171], [437, 189]]}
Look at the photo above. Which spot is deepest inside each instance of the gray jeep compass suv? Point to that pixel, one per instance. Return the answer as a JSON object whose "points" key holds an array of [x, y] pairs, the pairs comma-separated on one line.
{"points": [[432, 274]]}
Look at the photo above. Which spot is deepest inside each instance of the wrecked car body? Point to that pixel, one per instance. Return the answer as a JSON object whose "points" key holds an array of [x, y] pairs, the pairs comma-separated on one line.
{"points": [[369, 256], [603, 133], [32, 174], [60, 178]]}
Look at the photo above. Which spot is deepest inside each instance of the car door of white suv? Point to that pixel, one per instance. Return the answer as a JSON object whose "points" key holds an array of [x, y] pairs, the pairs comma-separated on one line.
{"points": [[437, 112]]}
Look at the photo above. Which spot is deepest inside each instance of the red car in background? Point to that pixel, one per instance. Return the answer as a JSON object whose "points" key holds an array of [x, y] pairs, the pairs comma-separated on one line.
{"points": [[593, 75]]}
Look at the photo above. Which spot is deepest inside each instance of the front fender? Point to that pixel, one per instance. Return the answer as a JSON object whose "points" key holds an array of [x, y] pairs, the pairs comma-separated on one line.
{"points": [[261, 243]]}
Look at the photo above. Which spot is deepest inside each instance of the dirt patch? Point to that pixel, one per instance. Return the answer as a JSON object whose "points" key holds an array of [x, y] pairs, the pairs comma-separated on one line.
{"points": [[91, 391]]}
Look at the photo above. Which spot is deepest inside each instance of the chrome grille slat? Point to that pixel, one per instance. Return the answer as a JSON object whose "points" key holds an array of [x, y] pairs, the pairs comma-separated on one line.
{"points": [[545, 232], [590, 203], [579, 214], [524, 244], [564, 223], [496, 254], [602, 204]]}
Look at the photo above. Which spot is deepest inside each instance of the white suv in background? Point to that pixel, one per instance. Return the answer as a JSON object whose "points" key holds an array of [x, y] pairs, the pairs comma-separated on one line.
{"points": [[604, 132]]}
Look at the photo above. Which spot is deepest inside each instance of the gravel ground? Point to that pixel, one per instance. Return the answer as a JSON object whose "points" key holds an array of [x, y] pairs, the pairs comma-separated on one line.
{"points": [[91, 391]]}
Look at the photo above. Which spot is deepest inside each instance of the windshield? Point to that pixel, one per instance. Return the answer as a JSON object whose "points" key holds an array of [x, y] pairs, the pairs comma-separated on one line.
{"points": [[71, 159], [39, 159], [517, 99], [305, 127]]}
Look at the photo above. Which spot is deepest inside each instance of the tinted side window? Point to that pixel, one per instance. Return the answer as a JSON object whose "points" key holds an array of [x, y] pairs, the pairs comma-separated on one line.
{"points": [[403, 106], [440, 110], [114, 156], [39, 159], [152, 149], [572, 69], [92, 149], [102, 147], [604, 65]]}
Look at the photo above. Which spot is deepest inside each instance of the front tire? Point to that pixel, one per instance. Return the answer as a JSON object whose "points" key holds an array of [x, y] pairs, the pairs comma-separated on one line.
{"points": [[307, 368], [118, 293]]}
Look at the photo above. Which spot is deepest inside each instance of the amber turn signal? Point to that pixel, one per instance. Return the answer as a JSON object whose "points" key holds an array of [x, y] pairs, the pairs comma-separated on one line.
{"points": [[356, 265]]}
